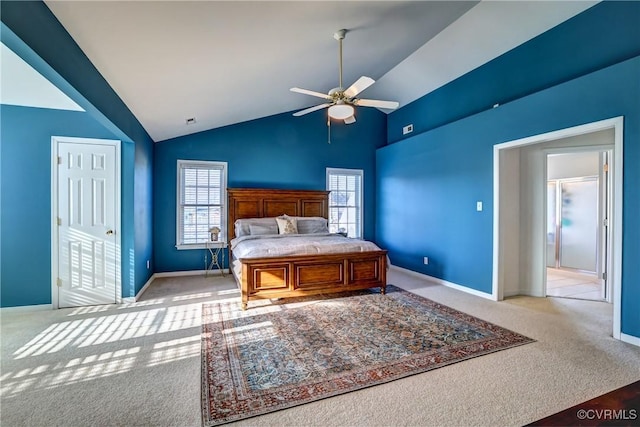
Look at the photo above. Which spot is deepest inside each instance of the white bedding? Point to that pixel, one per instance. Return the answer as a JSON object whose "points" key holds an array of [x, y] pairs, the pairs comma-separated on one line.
{"points": [[297, 244]]}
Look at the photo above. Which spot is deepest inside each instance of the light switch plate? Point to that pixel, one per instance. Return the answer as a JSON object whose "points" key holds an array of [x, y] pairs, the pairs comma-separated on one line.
{"points": [[479, 206]]}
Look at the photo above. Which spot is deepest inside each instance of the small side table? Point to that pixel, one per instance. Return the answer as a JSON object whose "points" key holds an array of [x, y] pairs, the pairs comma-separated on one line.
{"points": [[216, 249]]}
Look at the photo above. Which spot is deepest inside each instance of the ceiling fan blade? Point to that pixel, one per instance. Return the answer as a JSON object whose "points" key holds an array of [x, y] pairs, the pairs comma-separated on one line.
{"points": [[350, 120], [311, 109], [361, 84], [389, 105], [310, 92]]}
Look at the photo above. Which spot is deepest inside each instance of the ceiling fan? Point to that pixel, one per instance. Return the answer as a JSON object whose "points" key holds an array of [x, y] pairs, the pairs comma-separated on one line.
{"points": [[342, 101]]}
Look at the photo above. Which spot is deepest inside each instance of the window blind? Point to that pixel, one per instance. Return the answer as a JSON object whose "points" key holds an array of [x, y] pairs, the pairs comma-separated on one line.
{"points": [[201, 201], [345, 201]]}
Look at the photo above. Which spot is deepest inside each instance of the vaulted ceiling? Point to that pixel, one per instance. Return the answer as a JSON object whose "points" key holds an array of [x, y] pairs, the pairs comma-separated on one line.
{"points": [[223, 62]]}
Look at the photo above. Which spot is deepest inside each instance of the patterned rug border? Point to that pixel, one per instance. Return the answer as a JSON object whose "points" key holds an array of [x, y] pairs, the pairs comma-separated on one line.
{"points": [[513, 339]]}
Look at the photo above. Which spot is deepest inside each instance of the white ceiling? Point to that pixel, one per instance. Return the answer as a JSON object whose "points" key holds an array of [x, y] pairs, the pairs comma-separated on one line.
{"points": [[228, 62]]}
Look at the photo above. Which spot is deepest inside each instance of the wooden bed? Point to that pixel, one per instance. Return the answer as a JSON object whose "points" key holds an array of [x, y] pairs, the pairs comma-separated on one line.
{"points": [[304, 274]]}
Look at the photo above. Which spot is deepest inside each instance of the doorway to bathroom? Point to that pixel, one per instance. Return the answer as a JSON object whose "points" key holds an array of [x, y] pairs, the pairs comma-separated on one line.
{"points": [[577, 216], [520, 206]]}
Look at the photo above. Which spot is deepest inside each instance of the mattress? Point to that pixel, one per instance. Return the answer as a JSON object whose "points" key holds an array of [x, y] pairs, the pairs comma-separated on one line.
{"points": [[263, 246]]}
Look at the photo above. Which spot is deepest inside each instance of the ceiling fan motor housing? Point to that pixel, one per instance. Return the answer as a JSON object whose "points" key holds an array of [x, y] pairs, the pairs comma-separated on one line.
{"points": [[337, 93]]}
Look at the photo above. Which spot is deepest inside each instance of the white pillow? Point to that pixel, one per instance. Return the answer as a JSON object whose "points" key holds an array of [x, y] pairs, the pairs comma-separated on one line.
{"points": [[311, 225], [260, 230], [242, 226], [287, 225]]}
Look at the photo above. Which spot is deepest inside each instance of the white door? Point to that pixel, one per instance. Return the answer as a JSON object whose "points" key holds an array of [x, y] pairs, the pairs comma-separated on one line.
{"points": [[87, 243]]}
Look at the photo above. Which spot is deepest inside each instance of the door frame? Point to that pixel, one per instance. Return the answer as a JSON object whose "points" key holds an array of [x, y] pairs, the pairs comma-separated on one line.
{"points": [[55, 141], [615, 272]]}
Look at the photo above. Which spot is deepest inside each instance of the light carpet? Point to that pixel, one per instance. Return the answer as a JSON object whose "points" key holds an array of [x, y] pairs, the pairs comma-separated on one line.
{"points": [[139, 364]]}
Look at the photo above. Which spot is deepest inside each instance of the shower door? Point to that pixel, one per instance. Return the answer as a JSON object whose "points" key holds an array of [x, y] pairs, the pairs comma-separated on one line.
{"points": [[572, 226]]}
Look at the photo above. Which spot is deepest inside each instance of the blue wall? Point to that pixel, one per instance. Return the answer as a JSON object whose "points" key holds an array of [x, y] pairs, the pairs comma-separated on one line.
{"points": [[25, 174], [32, 31], [584, 70], [279, 151], [603, 35], [141, 235], [432, 179]]}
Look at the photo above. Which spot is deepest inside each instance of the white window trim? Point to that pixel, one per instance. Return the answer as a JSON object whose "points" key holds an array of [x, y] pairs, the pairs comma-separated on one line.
{"points": [[223, 195], [353, 172]]}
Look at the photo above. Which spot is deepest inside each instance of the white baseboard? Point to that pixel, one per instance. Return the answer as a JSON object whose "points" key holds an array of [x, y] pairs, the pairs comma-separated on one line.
{"points": [[630, 339], [519, 293], [26, 308], [190, 273], [444, 283], [511, 293], [144, 288]]}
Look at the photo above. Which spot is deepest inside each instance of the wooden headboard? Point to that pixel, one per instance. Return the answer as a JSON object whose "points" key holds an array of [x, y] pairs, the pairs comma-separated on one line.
{"points": [[265, 203]]}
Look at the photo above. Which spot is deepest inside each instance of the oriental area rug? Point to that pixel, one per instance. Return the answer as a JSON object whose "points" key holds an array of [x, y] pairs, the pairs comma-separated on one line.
{"points": [[283, 353]]}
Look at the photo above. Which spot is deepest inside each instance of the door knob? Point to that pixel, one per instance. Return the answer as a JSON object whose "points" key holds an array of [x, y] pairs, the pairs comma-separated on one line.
{"points": [[109, 232]]}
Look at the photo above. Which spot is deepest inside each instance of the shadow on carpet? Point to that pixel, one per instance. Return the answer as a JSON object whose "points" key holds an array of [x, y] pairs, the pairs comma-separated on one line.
{"points": [[289, 352]]}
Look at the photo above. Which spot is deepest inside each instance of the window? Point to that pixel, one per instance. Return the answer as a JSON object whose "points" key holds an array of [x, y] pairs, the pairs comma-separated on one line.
{"points": [[345, 201], [201, 202]]}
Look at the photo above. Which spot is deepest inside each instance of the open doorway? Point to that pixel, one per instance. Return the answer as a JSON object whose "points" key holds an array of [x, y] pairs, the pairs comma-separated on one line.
{"points": [[520, 203], [576, 217]]}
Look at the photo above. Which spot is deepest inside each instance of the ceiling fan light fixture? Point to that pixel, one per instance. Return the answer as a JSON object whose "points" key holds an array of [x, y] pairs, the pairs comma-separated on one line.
{"points": [[341, 111], [342, 101]]}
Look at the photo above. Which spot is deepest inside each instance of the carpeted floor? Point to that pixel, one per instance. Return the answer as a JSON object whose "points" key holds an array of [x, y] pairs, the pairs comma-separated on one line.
{"points": [[295, 351], [139, 364]]}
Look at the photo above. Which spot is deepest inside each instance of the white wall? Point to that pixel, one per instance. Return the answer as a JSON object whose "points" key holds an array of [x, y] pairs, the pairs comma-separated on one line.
{"points": [[510, 220], [573, 165]]}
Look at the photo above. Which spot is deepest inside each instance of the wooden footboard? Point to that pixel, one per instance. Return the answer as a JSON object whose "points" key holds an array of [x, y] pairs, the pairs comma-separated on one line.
{"points": [[312, 274]]}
